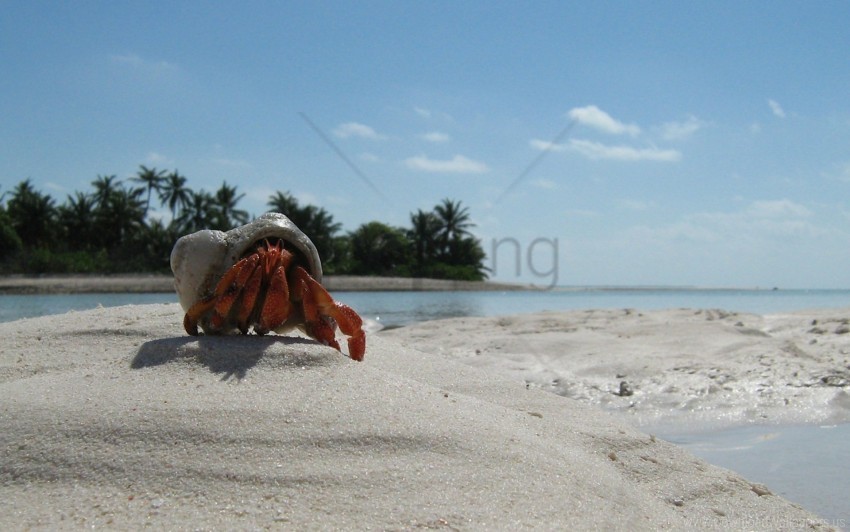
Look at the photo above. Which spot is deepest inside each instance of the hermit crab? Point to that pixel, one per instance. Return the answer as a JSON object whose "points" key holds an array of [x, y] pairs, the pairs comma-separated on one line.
{"points": [[265, 275]]}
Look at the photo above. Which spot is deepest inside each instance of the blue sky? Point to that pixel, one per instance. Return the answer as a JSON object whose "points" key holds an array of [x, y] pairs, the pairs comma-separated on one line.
{"points": [[676, 143]]}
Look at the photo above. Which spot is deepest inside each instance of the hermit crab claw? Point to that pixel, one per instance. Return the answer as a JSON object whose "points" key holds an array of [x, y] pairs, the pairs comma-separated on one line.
{"points": [[265, 275]]}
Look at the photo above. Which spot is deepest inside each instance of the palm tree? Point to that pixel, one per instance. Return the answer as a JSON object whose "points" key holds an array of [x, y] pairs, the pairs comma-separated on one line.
{"points": [[157, 241], [122, 216], [378, 249], [32, 215], [454, 222], [75, 217], [152, 181], [104, 186], [225, 201], [467, 257], [423, 233], [286, 204], [198, 213], [10, 242], [174, 193]]}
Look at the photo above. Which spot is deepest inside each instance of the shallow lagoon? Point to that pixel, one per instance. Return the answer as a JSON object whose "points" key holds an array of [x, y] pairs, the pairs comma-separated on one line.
{"points": [[393, 309]]}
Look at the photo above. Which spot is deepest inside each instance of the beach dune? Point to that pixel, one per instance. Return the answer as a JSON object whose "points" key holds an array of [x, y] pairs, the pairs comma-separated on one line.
{"points": [[115, 418]]}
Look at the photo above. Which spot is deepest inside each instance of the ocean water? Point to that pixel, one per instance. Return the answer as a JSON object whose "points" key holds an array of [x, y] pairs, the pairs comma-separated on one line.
{"points": [[805, 464], [402, 308], [14, 307], [394, 309]]}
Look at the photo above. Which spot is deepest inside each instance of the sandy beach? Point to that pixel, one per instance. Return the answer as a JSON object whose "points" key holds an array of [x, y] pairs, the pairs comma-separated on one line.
{"points": [[115, 418], [683, 367]]}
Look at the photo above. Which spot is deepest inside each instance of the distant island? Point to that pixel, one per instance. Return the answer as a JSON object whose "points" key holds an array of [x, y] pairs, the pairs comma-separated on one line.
{"points": [[116, 229]]}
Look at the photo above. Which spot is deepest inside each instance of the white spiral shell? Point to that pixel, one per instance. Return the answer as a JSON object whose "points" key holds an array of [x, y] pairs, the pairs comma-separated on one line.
{"points": [[199, 260]]}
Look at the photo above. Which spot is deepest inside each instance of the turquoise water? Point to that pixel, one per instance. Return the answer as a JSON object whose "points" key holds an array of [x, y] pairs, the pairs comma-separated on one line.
{"points": [[14, 307], [804, 464], [401, 308]]}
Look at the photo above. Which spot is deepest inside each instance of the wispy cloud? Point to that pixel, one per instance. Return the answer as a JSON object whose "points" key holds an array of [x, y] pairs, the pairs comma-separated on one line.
{"points": [[776, 108], [681, 130], [759, 221], [158, 158], [456, 165], [435, 136], [597, 150], [634, 205], [355, 129], [596, 118], [424, 113], [777, 209], [232, 163], [55, 187], [139, 63], [546, 184], [545, 145]]}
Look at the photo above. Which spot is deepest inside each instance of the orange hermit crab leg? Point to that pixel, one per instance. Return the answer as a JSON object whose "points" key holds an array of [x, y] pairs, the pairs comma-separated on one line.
{"points": [[276, 307], [249, 297], [319, 306]]}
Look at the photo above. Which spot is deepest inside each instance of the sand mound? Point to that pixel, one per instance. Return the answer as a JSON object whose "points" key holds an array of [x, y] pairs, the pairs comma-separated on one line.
{"points": [[667, 367], [114, 418]]}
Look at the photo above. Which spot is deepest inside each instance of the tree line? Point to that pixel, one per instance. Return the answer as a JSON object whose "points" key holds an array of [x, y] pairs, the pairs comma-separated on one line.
{"points": [[110, 230]]}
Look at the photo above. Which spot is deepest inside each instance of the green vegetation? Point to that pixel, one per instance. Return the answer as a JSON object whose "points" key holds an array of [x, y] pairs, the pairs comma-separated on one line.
{"points": [[109, 230]]}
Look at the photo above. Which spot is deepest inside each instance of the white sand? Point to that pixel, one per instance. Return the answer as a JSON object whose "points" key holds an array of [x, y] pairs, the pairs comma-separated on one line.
{"points": [[687, 369], [115, 418]]}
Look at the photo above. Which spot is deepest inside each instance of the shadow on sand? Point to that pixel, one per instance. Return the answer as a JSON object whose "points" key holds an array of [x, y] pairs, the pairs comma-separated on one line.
{"points": [[233, 356]]}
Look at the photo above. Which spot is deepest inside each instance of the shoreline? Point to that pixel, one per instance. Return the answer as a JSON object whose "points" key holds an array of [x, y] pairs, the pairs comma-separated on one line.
{"points": [[153, 283]]}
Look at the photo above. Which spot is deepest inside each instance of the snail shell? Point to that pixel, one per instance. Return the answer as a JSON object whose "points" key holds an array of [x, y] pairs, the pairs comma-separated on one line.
{"points": [[199, 260]]}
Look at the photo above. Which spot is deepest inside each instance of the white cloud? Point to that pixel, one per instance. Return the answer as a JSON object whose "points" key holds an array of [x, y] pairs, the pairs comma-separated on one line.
{"points": [[760, 221], [755, 128], [545, 145], [681, 130], [136, 62], [634, 205], [777, 209], [354, 129], [456, 165], [546, 184], [53, 186], [596, 150], [776, 108], [232, 163], [597, 118], [424, 113], [435, 136], [153, 158]]}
